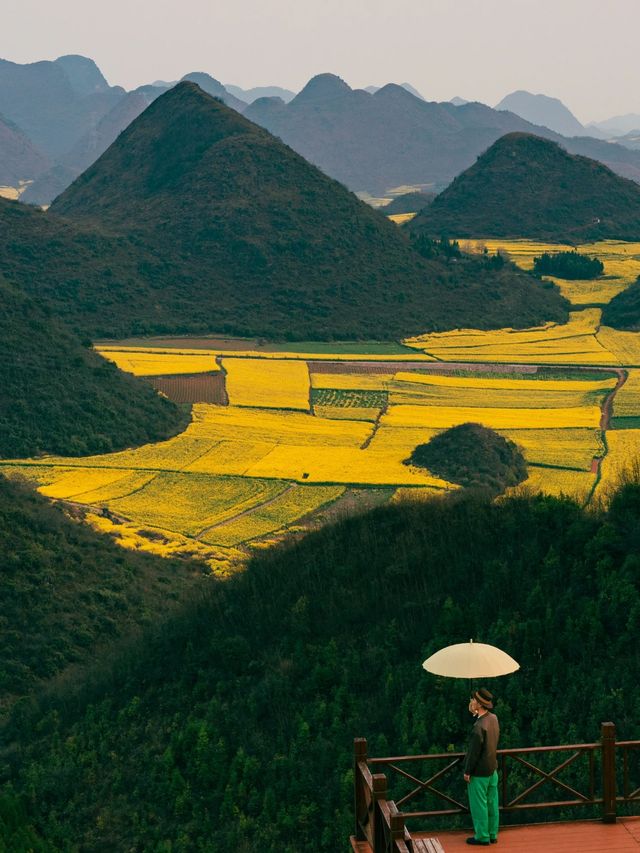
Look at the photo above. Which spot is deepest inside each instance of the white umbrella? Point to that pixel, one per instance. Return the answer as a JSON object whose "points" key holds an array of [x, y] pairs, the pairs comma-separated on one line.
{"points": [[470, 660]]}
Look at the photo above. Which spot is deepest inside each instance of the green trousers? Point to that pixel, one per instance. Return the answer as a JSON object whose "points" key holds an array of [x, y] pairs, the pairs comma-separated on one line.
{"points": [[483, 801]]}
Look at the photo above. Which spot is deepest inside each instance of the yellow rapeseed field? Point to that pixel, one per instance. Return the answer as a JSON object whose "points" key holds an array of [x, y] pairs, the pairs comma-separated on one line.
{"points": [[622, 461], [621, 264], [558, 481], [341, 465], [190, 503], [222, 561], [400, 218], [625, 346], [74, 481], [565, 448], [443, 417], [503, 383], [171, 455], [400, 441], [287, 427], [574, 342], [317, 355], [627, 400], [411, 394], [164, 363], [231, 457], [131, 482], [270, 517], [267, 383]]}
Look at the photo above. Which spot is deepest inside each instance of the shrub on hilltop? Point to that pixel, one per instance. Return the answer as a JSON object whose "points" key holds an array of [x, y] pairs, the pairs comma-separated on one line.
{"points": [[473, 456]]}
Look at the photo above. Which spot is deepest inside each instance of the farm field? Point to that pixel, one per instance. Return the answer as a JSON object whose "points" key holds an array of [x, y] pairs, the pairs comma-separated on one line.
{"points": [[295, 435], [162, 363], [621, 265]]}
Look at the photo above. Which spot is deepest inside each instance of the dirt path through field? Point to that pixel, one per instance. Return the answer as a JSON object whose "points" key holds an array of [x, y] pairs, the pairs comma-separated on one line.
{"points": [[605, 424]]}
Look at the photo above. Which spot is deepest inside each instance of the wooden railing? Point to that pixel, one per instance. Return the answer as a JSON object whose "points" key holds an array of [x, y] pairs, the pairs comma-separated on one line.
{"points": [[598, 771]]}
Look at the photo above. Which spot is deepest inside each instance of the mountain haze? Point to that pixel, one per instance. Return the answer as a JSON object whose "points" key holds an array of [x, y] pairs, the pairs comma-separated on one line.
{"points": [[19, 158], [391, 138], [243, 235], [543, 110], [525, 186]]}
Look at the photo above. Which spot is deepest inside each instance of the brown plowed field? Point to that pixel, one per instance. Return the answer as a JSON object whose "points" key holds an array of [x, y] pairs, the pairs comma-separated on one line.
{"points": [[193, 387]]}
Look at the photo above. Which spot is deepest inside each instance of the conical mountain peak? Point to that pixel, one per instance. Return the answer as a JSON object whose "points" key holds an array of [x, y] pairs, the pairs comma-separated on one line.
{"points": [[527, 186], [322, 87]]}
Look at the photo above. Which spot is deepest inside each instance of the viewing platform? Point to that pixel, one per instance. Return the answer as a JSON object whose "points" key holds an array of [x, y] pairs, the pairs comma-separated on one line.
{"points": [[600, 780]]}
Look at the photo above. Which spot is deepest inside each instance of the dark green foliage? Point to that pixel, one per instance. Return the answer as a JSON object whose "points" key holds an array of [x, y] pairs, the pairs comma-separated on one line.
{"points": [[431, 248], [60, 397], [195, 220], [568, 265], [230, 726], [474, 456], [525, 186], [66, 591], [409, 203], [623, 312]]}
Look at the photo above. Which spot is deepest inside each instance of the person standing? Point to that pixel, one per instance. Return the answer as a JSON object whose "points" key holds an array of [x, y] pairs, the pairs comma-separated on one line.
{"points": [[481, 769]]}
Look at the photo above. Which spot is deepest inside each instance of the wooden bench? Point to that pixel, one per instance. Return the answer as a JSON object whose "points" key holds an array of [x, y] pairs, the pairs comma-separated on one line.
{"points": [[426, 845]]}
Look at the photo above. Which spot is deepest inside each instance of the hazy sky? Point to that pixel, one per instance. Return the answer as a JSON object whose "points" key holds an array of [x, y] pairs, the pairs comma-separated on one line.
{"points": [[583, 51]]}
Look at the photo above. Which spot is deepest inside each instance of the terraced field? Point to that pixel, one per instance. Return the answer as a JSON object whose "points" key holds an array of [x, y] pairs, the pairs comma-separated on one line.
{"points": [[308, 431]]}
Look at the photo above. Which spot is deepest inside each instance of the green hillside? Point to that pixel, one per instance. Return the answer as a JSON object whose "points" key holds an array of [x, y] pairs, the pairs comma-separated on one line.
{"points": [[66, 592], [623, 312], [223, 228], [230, 726], [60, 397], [525, 186]]}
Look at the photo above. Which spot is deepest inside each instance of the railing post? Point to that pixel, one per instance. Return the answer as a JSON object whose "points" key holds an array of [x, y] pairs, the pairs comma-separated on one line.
{"points": [[359, 754], [379, 781], [397, 822], [608, 734]]}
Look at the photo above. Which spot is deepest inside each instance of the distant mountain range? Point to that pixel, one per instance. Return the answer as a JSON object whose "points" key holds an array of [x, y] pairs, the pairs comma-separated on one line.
{"points": [[251, 95], [19, 157], [390, 138], [373, 89], [543, 111], [618, 126], [226, 229], [64, 114], [526, 186]]}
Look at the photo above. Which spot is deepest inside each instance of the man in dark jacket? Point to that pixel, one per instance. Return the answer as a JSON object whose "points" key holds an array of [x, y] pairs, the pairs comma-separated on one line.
{"points": [[481, 769]]}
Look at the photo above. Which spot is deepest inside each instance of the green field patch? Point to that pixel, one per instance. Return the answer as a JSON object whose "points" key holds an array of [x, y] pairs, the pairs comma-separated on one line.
{"points": [[348, 398], [626, 423]]}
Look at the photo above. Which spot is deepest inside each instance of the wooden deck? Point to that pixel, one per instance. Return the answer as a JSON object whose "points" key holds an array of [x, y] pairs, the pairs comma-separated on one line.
{"points": [[570, 837]]}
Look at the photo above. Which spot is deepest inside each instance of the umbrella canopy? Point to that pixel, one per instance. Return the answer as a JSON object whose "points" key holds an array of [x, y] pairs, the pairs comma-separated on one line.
{"points": [[470, 660]]}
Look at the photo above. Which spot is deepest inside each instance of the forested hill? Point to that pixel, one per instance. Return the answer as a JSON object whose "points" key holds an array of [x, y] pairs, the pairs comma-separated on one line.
{"points": [[623, 312], [230, 726], [230, 230], [58, 396], [68, 593], [525, 186]]}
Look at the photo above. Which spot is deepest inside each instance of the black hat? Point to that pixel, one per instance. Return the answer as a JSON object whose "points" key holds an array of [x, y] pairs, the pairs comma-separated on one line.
{"points": [[484, 698]]}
